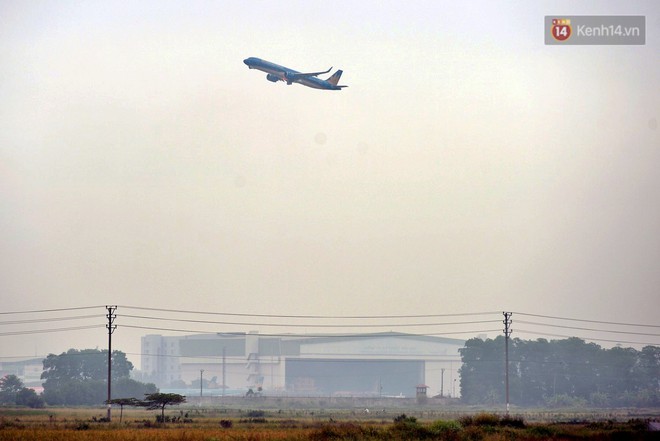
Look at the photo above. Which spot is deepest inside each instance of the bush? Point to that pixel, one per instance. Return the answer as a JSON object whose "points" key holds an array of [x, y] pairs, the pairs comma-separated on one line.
{"points": [[253, 420], [443, 426], [482, 419], [541, 432], [404, 419], [638, 424], [446, 430], [474, 433], [82, 426], [509, 421], [343, 431], [407, 427]]}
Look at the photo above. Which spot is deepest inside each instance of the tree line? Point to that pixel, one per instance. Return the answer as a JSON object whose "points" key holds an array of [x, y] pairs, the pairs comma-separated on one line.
{"points": [[80, 377], [12, 391], [559, 373], [72, 378]]}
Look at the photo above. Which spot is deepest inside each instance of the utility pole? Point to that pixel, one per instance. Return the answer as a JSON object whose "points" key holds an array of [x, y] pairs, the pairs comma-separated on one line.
{"points": [[223, 371], [201, 385], [110, 327], [507, 333], [442, 382]]}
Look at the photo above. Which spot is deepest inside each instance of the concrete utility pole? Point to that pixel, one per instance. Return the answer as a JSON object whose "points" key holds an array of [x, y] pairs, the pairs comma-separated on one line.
{"points": [[223, 371], [442, 382], [201, 385], [111, 316], [507, 333]]}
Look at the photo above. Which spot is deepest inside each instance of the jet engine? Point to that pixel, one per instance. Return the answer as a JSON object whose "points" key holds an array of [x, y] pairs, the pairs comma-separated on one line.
{"points": [[272, 77]]}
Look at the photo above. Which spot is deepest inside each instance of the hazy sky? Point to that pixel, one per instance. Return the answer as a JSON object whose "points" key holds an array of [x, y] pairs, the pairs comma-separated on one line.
{"points": [[467, 167]]}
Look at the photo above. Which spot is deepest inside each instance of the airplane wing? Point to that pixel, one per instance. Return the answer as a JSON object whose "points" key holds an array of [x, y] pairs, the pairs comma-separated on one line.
{"points": [[299, 75]]}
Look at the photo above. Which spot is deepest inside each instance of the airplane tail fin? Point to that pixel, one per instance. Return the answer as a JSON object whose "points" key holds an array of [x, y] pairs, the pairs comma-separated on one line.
{"points": [[334, 79]]}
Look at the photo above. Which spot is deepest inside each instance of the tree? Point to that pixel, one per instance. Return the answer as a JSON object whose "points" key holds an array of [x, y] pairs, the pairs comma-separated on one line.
{"points": [[128, 388], [482, 372], [648, 371], [121, 402], [75, 392], [86, 364], [13, 392], [10, 386], [160, 401], [79, 377], [28, 397], [560, 372]]}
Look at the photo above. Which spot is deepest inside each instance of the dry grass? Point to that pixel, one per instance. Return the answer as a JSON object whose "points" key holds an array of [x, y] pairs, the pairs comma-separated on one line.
{"points": [[218, 425], [158, 434]]}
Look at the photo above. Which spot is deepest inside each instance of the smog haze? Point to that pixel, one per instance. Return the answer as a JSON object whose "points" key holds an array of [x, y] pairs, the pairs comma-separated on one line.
{"points": [[467, 168]]}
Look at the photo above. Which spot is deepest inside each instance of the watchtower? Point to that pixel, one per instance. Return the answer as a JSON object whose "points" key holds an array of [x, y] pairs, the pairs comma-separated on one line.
{"points": [[421, 393]]}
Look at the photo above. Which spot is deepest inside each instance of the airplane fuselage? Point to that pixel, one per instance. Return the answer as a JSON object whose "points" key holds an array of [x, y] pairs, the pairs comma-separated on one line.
{"points": [[277, 72]]}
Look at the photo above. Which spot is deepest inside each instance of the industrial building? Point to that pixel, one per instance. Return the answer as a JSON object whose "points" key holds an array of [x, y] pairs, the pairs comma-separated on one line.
{"points": [[28, 370], [377, 364]]}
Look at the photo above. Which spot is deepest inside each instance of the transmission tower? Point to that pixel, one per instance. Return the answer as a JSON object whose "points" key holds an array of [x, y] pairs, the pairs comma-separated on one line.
{"points": [[507, 334], [110, 327]]}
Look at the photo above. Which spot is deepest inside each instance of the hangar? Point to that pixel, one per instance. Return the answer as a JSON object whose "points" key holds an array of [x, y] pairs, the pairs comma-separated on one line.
{"points": [[372, 364]]}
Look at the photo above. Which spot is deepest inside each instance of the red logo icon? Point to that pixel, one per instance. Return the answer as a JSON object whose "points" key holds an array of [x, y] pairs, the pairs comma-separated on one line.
{"points": [[561, 29]]}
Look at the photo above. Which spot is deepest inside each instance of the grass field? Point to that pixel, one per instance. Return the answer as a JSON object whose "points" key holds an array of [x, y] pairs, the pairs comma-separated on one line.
{"points": [[215, 424]]}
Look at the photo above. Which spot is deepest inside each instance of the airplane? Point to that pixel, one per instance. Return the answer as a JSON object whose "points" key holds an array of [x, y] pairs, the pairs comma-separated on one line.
{"points": [[276, 73]]}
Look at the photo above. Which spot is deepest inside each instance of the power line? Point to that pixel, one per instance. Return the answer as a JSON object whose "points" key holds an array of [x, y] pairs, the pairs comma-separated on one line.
{"points": [[310, 316], [42, 331], [588, 329], [3, 357], [306, 325], [314, 325], [586, 320], [55, 319], [363, 317], [371, 335], [79, 353], [34, 311], [588, 338], [318, 356], [234, 358]]}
